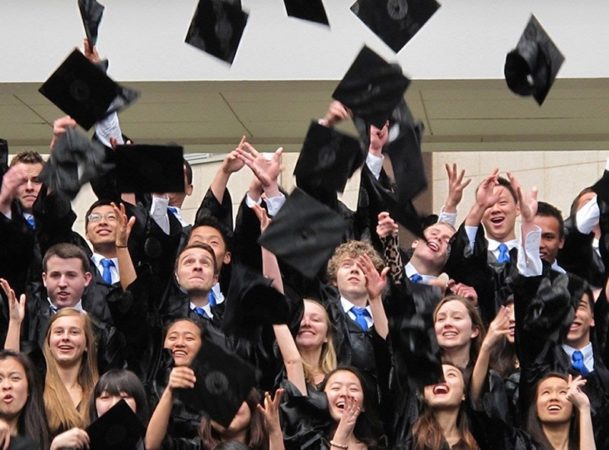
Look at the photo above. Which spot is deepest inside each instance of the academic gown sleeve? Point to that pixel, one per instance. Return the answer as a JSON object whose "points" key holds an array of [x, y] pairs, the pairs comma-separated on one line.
{"points": [[211, 206]]}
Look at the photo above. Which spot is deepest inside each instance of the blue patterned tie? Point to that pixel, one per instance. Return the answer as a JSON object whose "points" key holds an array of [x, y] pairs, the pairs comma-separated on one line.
{"points": [[173, 210], [107, 275], [199, 311], [360, 317], [31, 222], [504, 254], [415, 278], [578, 363], [211, 298]]}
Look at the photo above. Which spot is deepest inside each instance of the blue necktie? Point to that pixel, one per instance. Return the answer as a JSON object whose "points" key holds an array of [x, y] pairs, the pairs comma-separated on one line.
{"points": [[415, 278], [31, 222], [107, 275], [211, 298], [578, 363], [504, 254], [53, 309], [173, 210], [360, 317], [199, 311]]}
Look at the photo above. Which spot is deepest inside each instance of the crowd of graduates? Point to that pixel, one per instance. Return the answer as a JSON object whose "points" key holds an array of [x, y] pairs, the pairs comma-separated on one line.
{"points": [[478, 336]]}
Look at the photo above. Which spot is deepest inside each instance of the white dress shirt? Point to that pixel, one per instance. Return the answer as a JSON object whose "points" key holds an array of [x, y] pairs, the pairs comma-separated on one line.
{"points": [[347, 305], [96, 258], [411, 270], [587, 353]]}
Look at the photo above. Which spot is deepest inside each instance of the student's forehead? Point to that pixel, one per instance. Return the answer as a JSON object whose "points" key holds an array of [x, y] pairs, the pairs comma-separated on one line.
{"points": [[102, 209], [196, 253], [440, 228], [32, 169], [547, 223], [55, 263], [183, 327], [206, 232]]}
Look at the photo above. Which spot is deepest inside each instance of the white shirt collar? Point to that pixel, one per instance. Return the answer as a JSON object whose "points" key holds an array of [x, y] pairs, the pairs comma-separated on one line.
{"points": [[218, 293], [587, 352], [347, 305], [77, 306], [411, 270], [206, 307], [493, 245], [556, 268]]}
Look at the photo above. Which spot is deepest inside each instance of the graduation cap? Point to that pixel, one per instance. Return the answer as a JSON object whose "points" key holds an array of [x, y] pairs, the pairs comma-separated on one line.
{"points": [[3, 158], [404, 151], [223, 382], [118, 429], [149, 168], [74, 161], [304, 233], [372, 87], [531, 68], [328, 158], [91, 12], [217, 27], [311, 10], [395, 21], [79, 88], [252, 301]]}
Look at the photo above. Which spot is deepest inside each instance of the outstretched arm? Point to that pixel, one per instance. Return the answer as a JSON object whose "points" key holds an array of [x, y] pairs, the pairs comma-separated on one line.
{"points": [[124, 225], [17, 314]]}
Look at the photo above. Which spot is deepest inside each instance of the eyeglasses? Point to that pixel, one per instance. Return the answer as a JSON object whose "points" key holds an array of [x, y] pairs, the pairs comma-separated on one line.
{"points": [[97, 217]]}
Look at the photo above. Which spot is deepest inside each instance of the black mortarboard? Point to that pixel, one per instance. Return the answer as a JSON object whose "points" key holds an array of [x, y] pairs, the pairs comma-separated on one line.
{"points": [[328, 158], [372, 87], [74, 161], [252, 301], [530, 69], [311, 10], [395, 21], [223, 382], [3, 158], [217, 27], [304, 233], [91, 12], [79, 88], [149, 168], [118, 429]]}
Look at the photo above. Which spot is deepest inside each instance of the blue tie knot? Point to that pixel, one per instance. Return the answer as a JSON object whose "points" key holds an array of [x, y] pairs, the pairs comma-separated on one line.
{"points": [[107, 274], [360, 317], [173, 210], [200, 311], [577, 359], [31, 222], [504, 254], [415, 278], [211, 298]]}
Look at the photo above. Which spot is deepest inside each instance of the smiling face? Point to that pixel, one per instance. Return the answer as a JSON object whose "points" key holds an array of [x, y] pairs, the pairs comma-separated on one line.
{"points": [[448, 394], [196, 271], [434, 252], [67, 340], [101, 226], [500, 219], [350, 280], [313, 331], [65, 280], [453, 325], [13, 388], [339, 386], [579, 331], [184, 341], [551, 403]]}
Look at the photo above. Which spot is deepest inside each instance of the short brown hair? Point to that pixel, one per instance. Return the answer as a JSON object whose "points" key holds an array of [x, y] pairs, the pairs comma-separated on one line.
{"points": [[353, 249], [65, 250], [27, 157], [202, 246]]}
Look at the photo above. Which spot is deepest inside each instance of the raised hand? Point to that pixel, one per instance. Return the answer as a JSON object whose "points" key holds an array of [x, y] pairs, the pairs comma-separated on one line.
{"points": [[232, 163], [337, 112], [270, 411], [499, 328], [386, 225], [263, 217], [526, 201], [375, 281], [60, 126], [90, 52], [266, 170], [378, 138], [181, 378], [347, 421], [575, 394], [456, 185], [123, 225], [485, 195], [16, 307], [73, 438]]}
